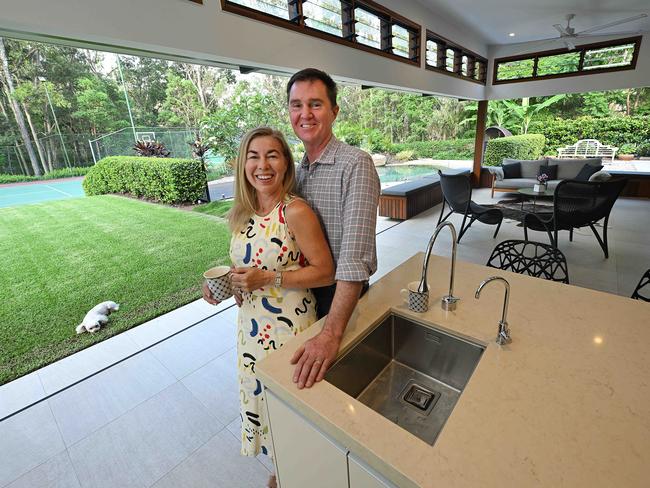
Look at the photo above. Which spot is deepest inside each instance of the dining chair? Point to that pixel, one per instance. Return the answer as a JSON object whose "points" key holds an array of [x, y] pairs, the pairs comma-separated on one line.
{"points": [[530, 258]]}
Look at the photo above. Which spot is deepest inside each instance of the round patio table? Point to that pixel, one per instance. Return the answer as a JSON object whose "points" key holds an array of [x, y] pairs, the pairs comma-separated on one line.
{"points": [[529, 192]]}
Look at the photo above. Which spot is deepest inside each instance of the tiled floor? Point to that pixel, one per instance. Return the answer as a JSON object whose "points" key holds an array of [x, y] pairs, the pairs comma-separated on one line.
{"points": [[167, 416]]}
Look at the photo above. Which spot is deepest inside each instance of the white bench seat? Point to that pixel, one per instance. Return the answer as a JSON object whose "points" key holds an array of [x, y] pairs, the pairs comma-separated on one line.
{"points": [[587, 148]]}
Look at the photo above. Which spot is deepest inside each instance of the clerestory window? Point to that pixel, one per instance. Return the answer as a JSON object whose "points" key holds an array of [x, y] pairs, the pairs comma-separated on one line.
{"points": [[362, 24], [617, 55], [445, 56]]}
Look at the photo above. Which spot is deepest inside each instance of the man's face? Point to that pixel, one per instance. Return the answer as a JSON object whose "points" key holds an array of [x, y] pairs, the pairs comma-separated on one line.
{"points": [[311, 112]]}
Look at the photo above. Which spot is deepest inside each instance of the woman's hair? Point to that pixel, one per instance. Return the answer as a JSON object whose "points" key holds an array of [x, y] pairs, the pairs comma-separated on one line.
{"points": [[245, 195]]}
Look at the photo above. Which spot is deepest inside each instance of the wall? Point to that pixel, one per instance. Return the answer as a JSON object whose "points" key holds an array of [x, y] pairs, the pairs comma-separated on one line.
{"points": [[640, 77], [180, 29]]}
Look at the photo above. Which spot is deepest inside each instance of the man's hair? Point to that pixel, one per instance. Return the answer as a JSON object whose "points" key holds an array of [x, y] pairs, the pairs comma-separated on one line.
{"points": [[313, 74]]}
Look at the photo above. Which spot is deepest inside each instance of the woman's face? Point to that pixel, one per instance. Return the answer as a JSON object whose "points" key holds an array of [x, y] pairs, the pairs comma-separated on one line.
{"points": [[265, 165]]}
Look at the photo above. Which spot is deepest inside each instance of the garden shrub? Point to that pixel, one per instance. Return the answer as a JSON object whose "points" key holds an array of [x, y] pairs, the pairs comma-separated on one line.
{"points": [[525, 146], [613, 131], [407, 155], [57, 173], [5, 178], [349, 133], [66, 172], [447, 149], [371, 140], [643, 150], [375, 142], [166, 180]]}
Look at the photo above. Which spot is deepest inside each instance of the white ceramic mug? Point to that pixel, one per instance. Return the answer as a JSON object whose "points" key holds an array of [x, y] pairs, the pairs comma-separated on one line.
{"points": [[218, 280], [417, 301]]}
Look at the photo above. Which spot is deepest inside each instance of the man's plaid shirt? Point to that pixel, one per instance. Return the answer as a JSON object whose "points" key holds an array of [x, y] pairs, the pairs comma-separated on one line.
{"points": [[342, 186]]}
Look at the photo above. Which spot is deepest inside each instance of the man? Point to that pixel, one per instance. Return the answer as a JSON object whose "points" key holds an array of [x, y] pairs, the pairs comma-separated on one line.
{"points": [[341, 184]]}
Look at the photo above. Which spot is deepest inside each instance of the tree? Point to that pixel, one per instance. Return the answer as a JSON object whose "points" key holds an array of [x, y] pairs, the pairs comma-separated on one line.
{"points": [[94, 105], [182, 106], [224, 129], [146, 81], [8, 86]]}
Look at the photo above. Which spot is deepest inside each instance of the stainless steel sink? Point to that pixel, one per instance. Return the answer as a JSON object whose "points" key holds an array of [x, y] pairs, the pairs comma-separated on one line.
{"points": [[408, 372]]}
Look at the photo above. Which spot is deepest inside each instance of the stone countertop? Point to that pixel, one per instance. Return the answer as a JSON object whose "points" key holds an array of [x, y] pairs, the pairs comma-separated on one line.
{"points": [[567, 403]]}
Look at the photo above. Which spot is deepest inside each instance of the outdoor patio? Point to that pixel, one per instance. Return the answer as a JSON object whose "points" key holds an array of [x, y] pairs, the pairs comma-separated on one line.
{"points": [[158, 404]]}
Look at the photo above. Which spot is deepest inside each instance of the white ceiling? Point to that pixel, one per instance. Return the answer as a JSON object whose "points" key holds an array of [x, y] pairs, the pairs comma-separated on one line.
{"points": [[533, 20]]}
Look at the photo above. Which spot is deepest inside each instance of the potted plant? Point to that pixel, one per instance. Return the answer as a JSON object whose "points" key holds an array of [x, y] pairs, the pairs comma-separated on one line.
{"points": [[626, 152], [540, 187]]}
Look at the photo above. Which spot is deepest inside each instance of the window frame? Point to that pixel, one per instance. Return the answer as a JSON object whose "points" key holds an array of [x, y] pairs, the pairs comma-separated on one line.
{"points": [[387, 17], [443, 44], [581, 50]]}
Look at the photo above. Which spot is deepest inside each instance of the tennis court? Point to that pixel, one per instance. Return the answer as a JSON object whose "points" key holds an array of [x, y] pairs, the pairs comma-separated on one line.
{"points": [[40, 191]]}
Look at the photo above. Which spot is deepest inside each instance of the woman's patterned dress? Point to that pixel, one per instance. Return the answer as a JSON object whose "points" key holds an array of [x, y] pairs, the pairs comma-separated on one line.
{"points": [[267, 318]]}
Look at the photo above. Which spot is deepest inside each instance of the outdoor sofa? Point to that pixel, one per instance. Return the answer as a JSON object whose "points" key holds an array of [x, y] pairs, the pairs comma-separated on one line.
{"points": [[566, 169]]}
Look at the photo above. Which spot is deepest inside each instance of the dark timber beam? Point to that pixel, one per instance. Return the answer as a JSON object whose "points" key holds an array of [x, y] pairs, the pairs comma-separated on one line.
{"points": [[481, 116]]}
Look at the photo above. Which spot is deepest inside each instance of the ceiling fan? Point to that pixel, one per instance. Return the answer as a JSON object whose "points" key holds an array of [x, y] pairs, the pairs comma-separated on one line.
{"points": [[568, 34]]}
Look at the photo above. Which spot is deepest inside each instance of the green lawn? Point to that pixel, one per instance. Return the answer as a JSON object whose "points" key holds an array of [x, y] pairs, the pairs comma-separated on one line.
{"points": [[217, 209], [61, 258]]}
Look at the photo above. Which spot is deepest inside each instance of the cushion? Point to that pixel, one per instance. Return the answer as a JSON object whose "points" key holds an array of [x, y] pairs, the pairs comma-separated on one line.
{"points": [[530, 168], [600, 176], [568, 168], [412, 187], [514, 183], [587, 170], [549, 171], [512, 170]]}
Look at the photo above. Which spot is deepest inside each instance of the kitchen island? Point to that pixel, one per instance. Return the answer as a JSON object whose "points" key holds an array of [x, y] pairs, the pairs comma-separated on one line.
{"points": [[567, 403]]}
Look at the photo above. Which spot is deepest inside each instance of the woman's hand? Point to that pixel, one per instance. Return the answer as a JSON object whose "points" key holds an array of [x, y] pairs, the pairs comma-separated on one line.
{"points": [[249, 279], [238, 299], [207, 295]]}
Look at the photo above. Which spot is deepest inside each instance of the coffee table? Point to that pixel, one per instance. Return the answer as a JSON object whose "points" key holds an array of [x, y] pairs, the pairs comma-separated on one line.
{"points": [[529, 192]]}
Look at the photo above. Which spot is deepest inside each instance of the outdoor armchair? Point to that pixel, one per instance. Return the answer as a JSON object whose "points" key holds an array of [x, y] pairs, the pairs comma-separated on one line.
{"points": [[457, 193], [578, 204]]}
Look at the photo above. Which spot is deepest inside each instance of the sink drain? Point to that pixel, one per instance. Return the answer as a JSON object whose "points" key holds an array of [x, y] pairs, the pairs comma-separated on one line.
{"points": [[419, 397]]}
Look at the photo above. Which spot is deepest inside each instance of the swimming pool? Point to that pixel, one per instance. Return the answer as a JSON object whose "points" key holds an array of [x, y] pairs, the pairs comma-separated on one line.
{"points": [[391, 174]]}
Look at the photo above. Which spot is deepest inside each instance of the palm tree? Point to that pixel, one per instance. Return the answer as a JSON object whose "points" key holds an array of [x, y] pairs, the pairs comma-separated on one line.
{"points": [[527, 111]]}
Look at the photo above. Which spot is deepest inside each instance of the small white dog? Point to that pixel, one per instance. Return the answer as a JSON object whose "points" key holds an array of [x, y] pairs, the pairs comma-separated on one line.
{"points": [[97, 316]]}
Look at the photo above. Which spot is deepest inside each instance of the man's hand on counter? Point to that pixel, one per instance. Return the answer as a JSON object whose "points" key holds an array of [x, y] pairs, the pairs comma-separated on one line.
{"points": [[314, 357]]}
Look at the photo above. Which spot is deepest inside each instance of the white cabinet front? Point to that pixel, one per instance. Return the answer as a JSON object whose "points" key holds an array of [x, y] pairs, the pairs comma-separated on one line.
{"points": [[362, 476], [304, 456]]}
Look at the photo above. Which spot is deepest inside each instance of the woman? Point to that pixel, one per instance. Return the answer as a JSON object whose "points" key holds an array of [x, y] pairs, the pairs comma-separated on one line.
{"points": [[279, 251]]}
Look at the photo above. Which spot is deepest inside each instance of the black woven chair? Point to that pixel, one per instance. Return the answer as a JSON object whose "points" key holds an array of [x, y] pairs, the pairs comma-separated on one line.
{"points": [[530, 258], [642, 290], [577, 204], [457, 193]]}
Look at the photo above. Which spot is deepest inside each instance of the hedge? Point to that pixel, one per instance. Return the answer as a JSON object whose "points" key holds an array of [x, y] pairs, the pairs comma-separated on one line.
{"points": [[166, 180], [447, 149], [525, 146], [57, 173], [613, 131]]}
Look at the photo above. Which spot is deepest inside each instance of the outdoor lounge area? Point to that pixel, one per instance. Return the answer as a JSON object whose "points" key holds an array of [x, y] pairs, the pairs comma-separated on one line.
{"points": [[514, 353]]}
